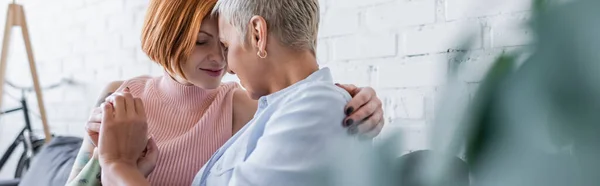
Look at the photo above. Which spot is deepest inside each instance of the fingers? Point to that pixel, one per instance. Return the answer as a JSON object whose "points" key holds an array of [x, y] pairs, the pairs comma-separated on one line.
{"points": [[123, 103], [107, 112], [129, 102], [147, 163], [363, 112], [373, 133], [152, 153], [369, 127], [92, 127], [363, 97], [139, 107], [93, 130], [96, 115], [349, 88], [118, 102]]}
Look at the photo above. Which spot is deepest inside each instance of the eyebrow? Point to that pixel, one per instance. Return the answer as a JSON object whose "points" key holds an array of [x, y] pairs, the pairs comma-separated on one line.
{"points": [[206, 33]]}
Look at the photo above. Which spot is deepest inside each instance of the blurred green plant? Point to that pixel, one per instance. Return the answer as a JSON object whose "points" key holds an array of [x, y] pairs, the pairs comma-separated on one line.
{"points": [[536, 122]]}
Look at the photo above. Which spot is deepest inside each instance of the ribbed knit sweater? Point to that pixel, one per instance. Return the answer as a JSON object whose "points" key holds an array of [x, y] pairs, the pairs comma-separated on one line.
{"points": [[188, 123]]}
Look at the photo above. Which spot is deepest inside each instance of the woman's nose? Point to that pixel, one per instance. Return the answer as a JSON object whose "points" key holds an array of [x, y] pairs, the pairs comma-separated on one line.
{"points": [[216, 54]]}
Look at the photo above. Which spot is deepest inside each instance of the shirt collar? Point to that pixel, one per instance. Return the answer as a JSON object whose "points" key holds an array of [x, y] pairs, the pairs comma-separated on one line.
{"points": [[323, 74]]}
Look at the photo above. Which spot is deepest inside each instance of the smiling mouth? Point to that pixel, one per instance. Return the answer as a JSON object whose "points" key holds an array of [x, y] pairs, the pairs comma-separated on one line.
{"points": [[213, 72]]}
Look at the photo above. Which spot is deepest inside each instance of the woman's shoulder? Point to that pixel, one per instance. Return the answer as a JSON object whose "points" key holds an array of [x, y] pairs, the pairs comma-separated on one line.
{"points": [[136, 84], [139, 82]]}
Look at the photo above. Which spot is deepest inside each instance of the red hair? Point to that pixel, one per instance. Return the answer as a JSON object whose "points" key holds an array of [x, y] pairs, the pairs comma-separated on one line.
{"points": [[170, 31]]}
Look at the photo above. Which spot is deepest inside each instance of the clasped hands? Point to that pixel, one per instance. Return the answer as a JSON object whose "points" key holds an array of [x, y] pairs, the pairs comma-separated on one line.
{"points": [[119, 130]]}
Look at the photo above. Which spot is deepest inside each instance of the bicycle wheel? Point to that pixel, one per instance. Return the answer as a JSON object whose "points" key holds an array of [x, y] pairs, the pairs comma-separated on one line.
{"points": [[24, 160]]}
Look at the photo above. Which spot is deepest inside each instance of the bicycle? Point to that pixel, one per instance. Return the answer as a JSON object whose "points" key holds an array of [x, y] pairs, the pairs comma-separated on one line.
{"points": [[31, 143]]}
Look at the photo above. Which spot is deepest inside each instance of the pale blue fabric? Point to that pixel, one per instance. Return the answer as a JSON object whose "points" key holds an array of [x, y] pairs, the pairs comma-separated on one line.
{"points": [[295, 138]]}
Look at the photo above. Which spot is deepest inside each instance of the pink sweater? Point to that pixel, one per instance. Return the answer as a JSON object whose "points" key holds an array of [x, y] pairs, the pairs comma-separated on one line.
{"points": [[188, 123]]}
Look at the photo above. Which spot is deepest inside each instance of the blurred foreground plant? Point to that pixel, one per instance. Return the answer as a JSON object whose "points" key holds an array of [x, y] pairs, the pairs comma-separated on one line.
{"points": [[537, 123]]}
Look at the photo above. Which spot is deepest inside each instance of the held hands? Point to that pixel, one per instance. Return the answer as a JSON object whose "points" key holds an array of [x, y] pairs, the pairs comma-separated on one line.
{"points": [[122, 122]]}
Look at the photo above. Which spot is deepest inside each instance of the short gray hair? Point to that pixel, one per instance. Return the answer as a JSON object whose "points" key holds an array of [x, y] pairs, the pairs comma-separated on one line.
{"points": [[294, 22]]}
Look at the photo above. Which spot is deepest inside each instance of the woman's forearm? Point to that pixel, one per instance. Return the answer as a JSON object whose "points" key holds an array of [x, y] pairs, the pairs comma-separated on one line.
{"points": [[122, 175], [83, 159]]}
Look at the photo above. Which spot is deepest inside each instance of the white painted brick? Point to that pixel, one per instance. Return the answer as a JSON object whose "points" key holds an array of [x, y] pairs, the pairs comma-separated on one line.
{"points": [[134, 70], [322, 6], [442, 37], [355, 3], [406, 138], [365, 46], [86, 76], [399, 14], [158, 70], [415, 138], [119, 57], [337, 22], [87, 45], [119, 22], [140, 55], [403, 104], [73, 63], [131, 36], [136, 4], [49, 70], [107, 75], [66, 112], [95, 62], [108, 42], [77, 129], [72, 34], [322, 51], [360, 75], [418, 73], [108, 7], [457, 9], [476, 65], [74, 4], [95, 26], [83, 15], [92, 2], [77, 95], [511, 32]]}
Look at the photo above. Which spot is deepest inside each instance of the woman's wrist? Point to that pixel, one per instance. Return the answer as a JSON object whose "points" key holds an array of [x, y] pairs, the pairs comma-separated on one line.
{"points": [[122, 173], [117, 164]]}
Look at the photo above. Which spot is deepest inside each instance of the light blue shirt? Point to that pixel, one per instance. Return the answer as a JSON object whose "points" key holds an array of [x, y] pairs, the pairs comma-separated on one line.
{"points": [[295, 138]]}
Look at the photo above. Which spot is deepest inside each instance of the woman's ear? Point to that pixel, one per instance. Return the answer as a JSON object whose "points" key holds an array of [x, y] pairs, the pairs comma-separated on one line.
{"points": [[258, 33]]}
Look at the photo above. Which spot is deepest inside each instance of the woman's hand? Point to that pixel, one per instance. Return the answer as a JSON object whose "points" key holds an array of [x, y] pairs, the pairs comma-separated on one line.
{"points": [[147, 162], [123, 130], [364, 111], [93, 125]]}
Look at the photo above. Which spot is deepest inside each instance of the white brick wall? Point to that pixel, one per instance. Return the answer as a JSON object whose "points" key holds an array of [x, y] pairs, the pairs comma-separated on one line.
{"points": [[400, 47]]}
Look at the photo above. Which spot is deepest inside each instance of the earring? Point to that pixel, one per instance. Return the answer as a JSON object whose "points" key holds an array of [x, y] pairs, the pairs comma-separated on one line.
{"points": [[262, 54]]}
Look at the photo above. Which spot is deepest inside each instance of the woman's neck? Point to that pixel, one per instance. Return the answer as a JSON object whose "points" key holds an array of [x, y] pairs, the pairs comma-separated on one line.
{"points": [[290, 69], [180, 80]]}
